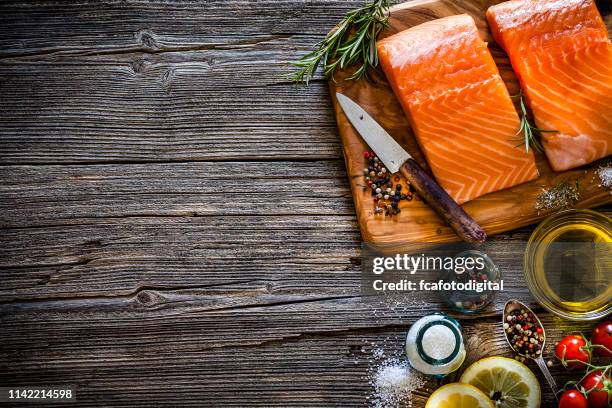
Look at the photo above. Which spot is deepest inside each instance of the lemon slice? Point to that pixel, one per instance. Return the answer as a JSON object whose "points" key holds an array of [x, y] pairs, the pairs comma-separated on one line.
{"points": [[507, 382], [456, 395]]}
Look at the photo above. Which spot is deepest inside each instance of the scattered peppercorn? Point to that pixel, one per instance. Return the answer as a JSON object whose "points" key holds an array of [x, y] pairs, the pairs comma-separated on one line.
{"points": [[386, 195]]}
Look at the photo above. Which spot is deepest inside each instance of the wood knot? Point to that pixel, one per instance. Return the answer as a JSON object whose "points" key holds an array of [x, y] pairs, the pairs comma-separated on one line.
{"points": [[139, 65], [146, 39], [145, 297], [150, 298], [43, 280], [93, 243], [167, 77]]}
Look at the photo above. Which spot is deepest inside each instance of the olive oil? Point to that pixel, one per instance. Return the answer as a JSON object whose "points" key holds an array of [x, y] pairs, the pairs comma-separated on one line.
{"points": [[570, 264]]}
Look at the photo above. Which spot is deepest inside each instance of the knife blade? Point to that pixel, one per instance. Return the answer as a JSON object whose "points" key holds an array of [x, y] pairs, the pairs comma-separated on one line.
{"points": [[395, 159]]}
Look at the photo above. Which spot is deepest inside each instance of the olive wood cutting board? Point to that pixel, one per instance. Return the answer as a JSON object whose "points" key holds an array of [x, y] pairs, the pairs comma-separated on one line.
{"points": [[417, 225]]}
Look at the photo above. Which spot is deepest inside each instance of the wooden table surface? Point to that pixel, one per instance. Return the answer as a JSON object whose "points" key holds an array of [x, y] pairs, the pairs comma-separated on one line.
{"points": [[177, 226]]}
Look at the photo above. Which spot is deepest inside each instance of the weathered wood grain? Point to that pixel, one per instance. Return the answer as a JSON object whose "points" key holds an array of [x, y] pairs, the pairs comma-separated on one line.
{"points": [[140, 81], [113, 230], [52, 194], [306, 256], [127, 361], [176, 226]]}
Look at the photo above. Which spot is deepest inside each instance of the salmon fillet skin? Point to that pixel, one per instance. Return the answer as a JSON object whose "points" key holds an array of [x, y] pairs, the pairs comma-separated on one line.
{"points": [[459, 108], [562, 55]]}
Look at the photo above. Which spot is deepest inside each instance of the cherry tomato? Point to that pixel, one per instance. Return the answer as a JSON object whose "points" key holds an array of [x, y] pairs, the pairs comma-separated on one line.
{"points": [[594, 382], [572, 399], [602, 335], [571, 348]]}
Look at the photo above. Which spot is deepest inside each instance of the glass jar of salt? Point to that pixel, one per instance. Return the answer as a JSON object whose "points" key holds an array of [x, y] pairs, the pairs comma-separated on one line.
{"points": [[434, 345]]}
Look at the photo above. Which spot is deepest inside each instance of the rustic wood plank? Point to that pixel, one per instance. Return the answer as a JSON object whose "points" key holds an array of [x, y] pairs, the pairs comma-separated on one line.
{"points": [[109, 230], [203, 287], [47, 195], [117, 256], [96, 257], [109, 115], [147, 81], [139, 362], [44, 24]]}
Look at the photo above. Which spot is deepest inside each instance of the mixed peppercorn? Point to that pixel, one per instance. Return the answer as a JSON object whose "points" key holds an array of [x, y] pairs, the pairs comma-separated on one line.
{"points": [[471, 301], [386, 188], [524, 333]]}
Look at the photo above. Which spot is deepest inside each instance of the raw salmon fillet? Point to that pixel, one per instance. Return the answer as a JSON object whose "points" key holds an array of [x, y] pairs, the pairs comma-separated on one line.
{"points": [[460, 111], [562, 55]]}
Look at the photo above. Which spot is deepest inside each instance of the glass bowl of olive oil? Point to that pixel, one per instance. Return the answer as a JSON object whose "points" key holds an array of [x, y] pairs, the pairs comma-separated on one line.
{"points": [[568, 264]]}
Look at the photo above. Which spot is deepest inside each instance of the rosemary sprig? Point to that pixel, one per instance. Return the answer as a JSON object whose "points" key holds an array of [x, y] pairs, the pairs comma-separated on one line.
{"points": [[530, 134], [352, 42]]}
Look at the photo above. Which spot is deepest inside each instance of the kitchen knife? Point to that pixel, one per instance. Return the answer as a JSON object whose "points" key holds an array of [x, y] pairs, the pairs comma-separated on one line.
{"points": [[395, 158]]}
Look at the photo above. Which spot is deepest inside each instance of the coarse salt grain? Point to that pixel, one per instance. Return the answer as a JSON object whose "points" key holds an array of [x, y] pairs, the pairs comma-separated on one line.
{"points": [[605, 176], [378, 353], [438, 342], [393, 382]]}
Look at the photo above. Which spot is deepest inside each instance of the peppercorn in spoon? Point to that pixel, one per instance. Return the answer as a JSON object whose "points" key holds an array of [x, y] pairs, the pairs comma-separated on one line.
{"points": [[525, 335]]}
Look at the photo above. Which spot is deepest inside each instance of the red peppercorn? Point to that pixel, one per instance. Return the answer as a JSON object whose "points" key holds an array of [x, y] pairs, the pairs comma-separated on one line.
{"points": [[525, 327], [539, 330], [366, 155]]}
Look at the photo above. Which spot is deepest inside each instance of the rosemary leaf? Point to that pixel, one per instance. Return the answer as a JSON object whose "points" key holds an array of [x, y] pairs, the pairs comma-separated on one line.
{"points": [[353, 42], [528, 135]]}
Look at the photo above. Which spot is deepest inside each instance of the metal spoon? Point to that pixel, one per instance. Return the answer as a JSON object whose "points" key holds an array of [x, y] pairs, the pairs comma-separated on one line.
{"points": [[512, 305]]}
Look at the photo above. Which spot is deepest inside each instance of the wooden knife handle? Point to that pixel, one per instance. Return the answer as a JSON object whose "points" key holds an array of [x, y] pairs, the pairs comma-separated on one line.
{"points": [[467, 229]]}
